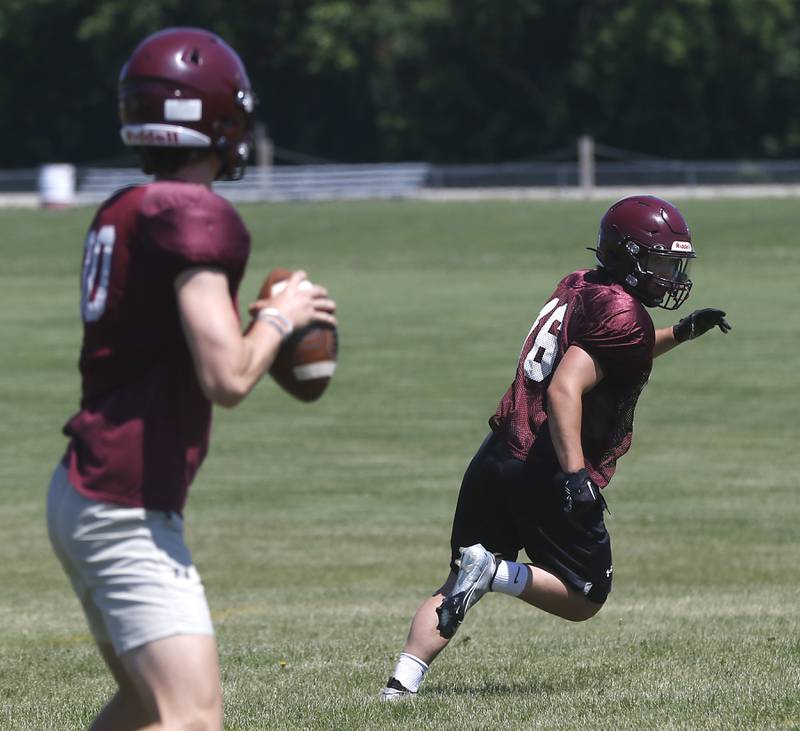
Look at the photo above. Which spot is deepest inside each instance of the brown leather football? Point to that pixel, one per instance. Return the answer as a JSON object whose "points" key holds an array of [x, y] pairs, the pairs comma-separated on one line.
{"points": [[306, 361]]}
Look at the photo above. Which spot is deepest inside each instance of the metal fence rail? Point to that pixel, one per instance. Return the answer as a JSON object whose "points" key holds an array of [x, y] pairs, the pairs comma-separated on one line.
{"points": [[612, 174], [691, 173], [19, 181], [505, 175]]}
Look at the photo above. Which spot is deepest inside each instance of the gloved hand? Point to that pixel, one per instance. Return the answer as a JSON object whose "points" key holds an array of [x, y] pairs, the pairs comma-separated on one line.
{"points": [[579, 493], [700, 322]]}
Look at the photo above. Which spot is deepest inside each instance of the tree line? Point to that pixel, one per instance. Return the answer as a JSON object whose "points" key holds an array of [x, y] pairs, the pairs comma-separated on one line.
{"points": [[434, 80]]}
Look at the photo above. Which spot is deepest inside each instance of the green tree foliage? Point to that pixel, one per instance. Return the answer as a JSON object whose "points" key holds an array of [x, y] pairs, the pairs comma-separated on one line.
{"points": [[439, 80]]}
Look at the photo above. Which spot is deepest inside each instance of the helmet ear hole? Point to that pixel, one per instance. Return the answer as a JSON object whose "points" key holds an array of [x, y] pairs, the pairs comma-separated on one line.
{"points": [[195, 57]]}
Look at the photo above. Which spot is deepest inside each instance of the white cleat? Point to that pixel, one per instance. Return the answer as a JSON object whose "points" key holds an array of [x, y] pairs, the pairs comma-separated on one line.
{"points": [[395, 691], [475, 573]]}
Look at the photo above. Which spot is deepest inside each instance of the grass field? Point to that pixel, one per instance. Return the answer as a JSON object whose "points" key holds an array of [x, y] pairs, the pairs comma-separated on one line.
{"points": [[319, 528]]}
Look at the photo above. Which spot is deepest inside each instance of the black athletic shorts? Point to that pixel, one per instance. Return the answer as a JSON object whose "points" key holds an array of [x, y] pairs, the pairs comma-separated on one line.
{"points": [[506, 505]]}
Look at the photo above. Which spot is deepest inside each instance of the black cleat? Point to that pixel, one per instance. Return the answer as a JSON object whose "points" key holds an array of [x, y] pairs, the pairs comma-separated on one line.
{"points": [[395, 691]]}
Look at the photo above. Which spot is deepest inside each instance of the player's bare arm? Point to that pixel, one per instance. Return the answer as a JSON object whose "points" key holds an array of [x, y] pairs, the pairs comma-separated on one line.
{"points": [[690, 327], [576, 374], [665, 341], [228, 363]]}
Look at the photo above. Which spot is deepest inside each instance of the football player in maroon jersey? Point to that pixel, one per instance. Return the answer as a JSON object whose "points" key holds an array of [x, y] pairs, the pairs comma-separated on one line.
{"points": [[162, 342], [535, 483]]}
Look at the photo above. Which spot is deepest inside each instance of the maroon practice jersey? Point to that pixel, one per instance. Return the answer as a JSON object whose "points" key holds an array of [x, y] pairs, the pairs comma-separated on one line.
{"points": [[143, 426], [590, 311]]}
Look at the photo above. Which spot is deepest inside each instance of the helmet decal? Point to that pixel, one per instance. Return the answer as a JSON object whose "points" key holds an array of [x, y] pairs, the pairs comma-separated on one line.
{"points": [[183, 110]]}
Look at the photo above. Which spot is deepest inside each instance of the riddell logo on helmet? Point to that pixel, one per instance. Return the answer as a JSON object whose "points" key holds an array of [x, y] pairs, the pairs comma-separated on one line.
{"points": [[151, 137], [163, 135], [681, 246]]}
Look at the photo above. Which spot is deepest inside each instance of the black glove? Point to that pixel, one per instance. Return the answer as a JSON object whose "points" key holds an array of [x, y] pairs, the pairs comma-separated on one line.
{"points": [[579, 493], [698, 323]]}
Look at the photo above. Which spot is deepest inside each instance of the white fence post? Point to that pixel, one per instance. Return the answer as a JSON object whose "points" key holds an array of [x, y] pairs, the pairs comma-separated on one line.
{"points": [[586, 177], [264, 149]]}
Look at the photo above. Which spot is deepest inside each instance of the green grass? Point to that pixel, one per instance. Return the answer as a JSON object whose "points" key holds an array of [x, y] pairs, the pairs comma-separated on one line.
{"points": [[319, 528]]}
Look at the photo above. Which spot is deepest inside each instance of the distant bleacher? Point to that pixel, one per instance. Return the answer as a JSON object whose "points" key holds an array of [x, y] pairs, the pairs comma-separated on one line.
{"points": [[280, 183]]}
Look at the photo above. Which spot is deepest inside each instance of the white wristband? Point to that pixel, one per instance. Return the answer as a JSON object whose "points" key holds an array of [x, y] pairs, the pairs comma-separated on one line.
{"points": [[274, 317]]}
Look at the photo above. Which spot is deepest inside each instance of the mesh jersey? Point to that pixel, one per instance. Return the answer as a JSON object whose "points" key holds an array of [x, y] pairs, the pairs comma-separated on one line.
{"points": [[592, 312], [143, 426]]}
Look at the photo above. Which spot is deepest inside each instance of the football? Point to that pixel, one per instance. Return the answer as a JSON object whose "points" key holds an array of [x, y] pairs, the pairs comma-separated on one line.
{"points": [[306, 362]]}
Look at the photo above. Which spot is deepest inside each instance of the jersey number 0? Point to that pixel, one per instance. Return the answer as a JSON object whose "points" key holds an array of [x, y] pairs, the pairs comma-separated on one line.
{"points": [[96, 272]]}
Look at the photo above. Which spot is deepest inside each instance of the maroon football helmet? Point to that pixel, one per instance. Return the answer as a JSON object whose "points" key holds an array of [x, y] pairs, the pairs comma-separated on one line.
{"points": [[644, 243], [186, 87]]}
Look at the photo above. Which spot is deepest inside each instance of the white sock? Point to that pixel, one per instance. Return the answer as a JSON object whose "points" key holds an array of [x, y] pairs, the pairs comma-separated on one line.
{"points": [[511, 578], [410, 671]]}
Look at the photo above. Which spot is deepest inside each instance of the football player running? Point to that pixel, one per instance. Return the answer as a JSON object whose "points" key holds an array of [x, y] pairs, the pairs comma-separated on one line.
{"points": [[162, 342], [535, 483]]}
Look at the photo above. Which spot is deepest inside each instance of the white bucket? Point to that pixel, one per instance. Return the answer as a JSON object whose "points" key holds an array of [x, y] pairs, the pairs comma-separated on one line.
{"points": [[57, 185]]}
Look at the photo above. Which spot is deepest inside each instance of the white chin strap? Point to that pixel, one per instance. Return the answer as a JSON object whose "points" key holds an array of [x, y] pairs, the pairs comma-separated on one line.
{"points": [[162, 135]]}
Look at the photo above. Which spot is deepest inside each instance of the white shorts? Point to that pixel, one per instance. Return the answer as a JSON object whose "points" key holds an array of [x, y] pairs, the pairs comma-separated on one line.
{"points": [[129, 567]]}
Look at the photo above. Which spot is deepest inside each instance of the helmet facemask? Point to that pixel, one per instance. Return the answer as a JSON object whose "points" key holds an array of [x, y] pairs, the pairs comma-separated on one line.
{"points": [[658, 278]]}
